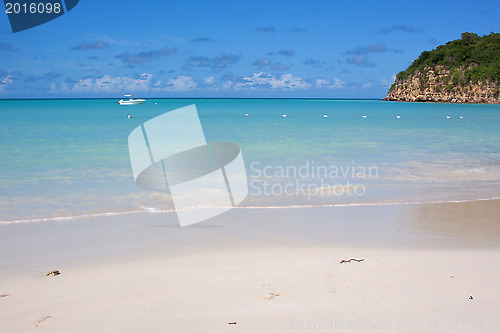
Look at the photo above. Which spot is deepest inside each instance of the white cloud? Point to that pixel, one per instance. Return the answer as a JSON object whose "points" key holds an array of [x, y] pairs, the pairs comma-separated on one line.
{"points": [[387, 83], [181, 83], [146, 83], [114, 84], [7, 81], [124, 84], [335, 84], [227, 85], [267, 81], [321, 83], [209, 80]]}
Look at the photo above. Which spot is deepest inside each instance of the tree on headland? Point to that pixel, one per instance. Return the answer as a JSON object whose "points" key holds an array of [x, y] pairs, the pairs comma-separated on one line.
{"points": [[469, 37], [479, 57]]}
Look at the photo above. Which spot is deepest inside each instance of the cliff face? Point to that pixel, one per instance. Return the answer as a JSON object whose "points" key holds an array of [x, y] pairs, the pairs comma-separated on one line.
{"points": [[437, 85]]}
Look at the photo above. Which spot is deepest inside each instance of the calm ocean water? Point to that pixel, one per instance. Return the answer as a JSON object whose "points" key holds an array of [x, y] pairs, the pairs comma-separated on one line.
{"points": [[63, 158]]}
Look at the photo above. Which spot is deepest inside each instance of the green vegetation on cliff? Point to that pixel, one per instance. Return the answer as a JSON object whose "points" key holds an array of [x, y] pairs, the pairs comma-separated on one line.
{"points": [[469, 60]]}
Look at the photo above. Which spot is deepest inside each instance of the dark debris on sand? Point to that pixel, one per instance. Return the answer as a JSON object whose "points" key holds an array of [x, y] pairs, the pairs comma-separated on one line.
{"points": [[53, 273]]}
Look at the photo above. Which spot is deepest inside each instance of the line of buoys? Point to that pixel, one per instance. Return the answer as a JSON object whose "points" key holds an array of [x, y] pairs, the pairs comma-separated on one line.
{"points": [[284, 115]]}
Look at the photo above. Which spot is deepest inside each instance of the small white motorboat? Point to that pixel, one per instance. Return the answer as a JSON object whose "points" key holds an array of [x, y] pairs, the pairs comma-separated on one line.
{"points": [[130, 101]]}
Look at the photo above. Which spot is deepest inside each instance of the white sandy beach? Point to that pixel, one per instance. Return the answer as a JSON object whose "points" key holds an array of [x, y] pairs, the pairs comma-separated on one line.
{"points": [[265, 270]]}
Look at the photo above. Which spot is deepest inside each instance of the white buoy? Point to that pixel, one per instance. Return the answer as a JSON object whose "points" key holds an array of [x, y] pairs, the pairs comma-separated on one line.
{"points": [[448, 117], [364, 116], [284, 116], [398, 117], [195, 116], [461, 117], [156, 103], [325, 116], [129, 116], [247, 114]]}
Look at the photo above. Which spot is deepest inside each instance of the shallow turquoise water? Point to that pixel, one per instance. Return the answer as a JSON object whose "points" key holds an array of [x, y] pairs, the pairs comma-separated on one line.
{"points": [[70, 157]]}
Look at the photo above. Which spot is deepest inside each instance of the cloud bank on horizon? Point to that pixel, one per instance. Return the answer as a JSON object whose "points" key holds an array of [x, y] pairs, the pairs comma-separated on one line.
{"points": [[228, 49]]}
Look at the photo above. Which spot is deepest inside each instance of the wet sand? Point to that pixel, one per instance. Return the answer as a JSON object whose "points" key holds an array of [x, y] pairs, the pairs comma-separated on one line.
{"points": [[273, 270]]}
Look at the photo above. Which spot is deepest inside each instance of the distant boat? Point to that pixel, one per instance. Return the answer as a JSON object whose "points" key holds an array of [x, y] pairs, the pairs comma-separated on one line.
{"points": [[130, 101]]}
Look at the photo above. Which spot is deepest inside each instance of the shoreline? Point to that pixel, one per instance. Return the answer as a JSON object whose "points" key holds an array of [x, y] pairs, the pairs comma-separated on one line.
{"points": [[290, 206], [442, 226], [386, 99]]}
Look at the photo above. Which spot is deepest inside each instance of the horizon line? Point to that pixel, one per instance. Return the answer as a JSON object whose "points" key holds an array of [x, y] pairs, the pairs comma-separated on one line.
{"points": [[113, 98]]}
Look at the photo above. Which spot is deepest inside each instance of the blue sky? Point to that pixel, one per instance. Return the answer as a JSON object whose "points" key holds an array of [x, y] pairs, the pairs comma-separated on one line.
{"points": [[337, 49]]}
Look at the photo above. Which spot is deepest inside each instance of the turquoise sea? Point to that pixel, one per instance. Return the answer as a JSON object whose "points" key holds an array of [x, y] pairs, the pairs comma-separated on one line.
{"points": [[69, 158]]}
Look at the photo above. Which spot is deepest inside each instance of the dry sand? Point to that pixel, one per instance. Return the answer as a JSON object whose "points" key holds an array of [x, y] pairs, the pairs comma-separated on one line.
{"points": [[265, 270]]}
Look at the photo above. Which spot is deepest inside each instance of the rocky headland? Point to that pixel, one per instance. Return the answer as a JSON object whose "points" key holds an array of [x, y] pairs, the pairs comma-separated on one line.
{"points": [[466, 70]]}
